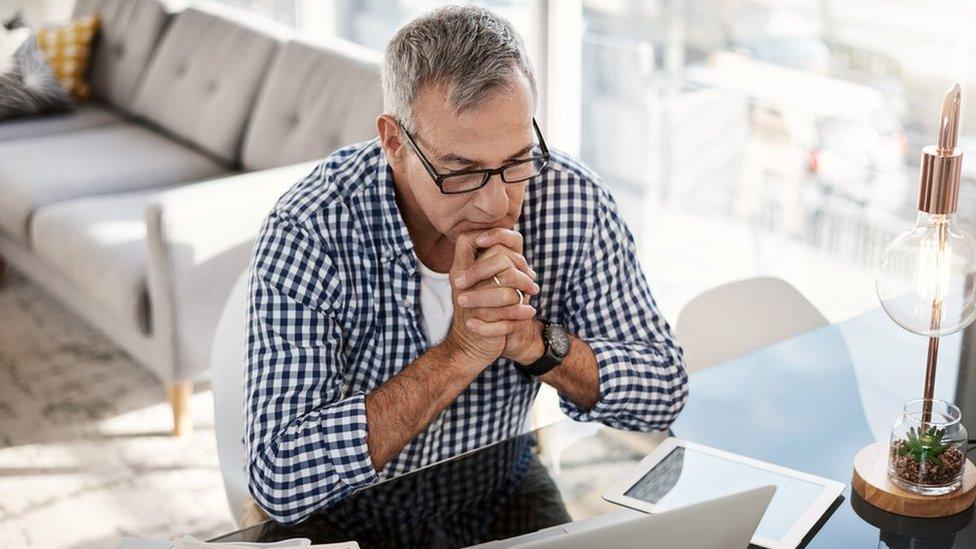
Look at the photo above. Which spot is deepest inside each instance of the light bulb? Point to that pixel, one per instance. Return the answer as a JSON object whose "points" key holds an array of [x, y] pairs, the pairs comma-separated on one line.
{"points": [[927, 278]]}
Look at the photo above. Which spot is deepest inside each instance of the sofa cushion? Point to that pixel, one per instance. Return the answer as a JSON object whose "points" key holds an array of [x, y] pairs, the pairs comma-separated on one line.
{"points": [[85, 116], [127, 37], [40, 171], [316, 98], [202, 82], [99, 244]]}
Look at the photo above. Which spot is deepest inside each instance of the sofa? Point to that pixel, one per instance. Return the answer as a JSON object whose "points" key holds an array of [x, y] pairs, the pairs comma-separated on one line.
{"points": [[139, 209]]}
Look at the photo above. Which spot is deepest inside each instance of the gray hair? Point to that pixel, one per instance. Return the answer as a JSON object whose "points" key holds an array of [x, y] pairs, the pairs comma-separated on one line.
{"points": [[470, 49]]}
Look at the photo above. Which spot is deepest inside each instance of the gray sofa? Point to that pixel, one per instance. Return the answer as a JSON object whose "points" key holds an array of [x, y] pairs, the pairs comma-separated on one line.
{"points": [[139, 210]]}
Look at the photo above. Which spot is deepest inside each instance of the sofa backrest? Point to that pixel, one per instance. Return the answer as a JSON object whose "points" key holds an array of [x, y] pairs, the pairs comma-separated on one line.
{"points": [[316, 98], [128, 33], [204, 77]]}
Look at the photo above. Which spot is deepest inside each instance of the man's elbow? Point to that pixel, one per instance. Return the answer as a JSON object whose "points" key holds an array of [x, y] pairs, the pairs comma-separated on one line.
{"points": [[679, 397], [288, 498], [276, 509], [679, 391], [670, 402]]}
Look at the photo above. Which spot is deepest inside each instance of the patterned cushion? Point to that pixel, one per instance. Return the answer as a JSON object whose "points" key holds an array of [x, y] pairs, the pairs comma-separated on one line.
{"points": [[67, 49], [27, 85], [15, 21]]}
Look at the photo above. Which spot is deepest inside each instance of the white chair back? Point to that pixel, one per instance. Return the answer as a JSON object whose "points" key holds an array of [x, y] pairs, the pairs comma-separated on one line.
{"points": [[227, 380], [742, 316]]}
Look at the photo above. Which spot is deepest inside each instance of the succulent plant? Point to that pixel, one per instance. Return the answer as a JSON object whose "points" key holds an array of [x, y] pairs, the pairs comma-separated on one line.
{"points": [[924, 446]]}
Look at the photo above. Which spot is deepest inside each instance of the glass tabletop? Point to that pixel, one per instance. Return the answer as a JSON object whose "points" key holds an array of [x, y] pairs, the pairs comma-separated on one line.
{"points": [[809, 403]]}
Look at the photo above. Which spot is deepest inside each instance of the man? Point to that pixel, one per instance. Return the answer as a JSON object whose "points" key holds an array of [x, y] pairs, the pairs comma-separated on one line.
{"points": [[409, 295]]}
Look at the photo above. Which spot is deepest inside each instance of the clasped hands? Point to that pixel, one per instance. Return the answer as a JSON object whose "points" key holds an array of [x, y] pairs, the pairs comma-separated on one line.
{"points": [[490, 320]]}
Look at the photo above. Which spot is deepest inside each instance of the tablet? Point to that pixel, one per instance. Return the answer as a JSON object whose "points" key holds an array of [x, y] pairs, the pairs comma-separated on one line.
{"points": [[680, 473]]}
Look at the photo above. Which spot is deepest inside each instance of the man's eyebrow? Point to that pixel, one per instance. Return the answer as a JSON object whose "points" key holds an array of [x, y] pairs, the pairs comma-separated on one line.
{"points": [[452, 158], [522, 152]]}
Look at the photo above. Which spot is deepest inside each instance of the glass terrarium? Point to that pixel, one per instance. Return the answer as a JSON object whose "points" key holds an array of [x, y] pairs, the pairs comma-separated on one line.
{"points": [[927, 450]]}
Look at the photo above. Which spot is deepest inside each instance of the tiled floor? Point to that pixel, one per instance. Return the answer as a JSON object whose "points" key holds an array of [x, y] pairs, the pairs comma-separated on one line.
{"points": [[84, 452]]}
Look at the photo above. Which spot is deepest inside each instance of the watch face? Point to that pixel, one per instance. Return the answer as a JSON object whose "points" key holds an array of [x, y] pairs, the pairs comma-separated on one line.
{"points": [[558, 341]]}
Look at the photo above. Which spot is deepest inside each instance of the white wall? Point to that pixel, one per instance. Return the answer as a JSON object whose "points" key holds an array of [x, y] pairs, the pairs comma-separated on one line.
{"points": [[38, 12]]}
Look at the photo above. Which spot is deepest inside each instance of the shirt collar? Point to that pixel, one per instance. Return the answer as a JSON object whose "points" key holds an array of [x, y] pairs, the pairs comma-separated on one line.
{"points": [[397, 244]]}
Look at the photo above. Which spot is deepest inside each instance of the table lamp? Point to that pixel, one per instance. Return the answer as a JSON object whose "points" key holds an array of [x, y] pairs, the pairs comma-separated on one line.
{"points": [[927, 284]]}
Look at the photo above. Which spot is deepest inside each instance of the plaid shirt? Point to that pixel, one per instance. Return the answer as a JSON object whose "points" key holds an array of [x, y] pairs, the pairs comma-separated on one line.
{"points": [[334, 312]]}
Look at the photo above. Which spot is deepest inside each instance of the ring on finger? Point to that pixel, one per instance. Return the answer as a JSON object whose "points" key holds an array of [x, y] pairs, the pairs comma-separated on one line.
{"points": [[495, 278], [520, 295]]}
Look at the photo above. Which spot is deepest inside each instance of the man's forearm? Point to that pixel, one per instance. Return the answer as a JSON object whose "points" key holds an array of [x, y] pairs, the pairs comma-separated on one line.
{"points": [[401, 408], [578, 377]]}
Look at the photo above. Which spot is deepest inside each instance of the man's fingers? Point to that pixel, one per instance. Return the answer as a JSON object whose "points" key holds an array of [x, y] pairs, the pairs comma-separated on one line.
{"points": [[514, 278], [523, 265], [512, 312], [465, 250], [506, 237], [517, 258], [483, 269], [491, 296], [487, 267], [492, 329]]}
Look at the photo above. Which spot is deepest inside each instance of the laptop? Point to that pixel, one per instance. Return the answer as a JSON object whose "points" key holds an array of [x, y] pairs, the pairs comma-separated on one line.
{"points": [[722, 523]]}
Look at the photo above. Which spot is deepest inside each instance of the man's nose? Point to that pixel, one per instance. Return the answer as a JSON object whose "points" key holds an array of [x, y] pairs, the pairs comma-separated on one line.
{"points": [[492, 198]]}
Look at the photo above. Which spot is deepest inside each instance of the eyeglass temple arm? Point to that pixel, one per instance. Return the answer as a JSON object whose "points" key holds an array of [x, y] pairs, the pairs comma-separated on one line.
{"points": [[542, 141], [423, 159]]}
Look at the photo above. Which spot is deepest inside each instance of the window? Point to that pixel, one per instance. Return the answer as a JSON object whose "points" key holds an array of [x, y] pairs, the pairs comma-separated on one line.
{"points": [[741, 138]]}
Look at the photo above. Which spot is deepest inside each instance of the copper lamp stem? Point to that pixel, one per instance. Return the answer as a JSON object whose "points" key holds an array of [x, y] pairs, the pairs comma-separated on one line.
{"points": [[933, 357]]}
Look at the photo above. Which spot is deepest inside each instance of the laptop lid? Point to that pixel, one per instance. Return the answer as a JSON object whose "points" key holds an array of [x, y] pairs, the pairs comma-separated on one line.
{"points": [[721, 523]]}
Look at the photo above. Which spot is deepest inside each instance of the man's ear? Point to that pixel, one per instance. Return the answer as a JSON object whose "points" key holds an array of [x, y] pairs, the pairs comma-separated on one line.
{"points": [[393, 146]]}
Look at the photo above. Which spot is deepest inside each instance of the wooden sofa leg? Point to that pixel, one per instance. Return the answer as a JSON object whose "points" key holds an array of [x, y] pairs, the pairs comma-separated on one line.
{"points": [[179, 400]]}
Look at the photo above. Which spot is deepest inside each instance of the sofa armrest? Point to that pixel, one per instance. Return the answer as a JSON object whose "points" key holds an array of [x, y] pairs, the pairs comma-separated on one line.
{"points": [[199, 240]]}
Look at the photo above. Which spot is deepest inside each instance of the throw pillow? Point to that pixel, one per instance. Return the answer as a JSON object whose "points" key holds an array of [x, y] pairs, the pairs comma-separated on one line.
{"points": [[68, 49], [16, 21], [27, 84]]}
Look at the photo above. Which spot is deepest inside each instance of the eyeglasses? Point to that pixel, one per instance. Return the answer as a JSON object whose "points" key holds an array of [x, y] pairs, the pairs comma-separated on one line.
{"points": [[466, 181]]}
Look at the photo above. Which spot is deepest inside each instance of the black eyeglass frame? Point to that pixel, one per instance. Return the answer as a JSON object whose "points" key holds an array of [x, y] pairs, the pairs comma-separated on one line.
{"points": [[488, 172]]}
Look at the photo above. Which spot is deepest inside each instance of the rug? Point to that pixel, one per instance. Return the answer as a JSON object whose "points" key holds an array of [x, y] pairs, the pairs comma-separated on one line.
{"points": [[85, 451]]}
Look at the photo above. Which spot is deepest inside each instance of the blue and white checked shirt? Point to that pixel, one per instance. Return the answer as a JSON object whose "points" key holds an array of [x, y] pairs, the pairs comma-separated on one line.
{"points": [[334, 312]]}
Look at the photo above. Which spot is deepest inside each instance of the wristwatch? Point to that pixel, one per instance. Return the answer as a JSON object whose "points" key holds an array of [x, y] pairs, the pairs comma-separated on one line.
{"points": [[556, 341]]}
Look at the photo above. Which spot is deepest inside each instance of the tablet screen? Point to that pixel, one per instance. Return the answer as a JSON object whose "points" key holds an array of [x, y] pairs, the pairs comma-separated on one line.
{"points": [[686, 476]]}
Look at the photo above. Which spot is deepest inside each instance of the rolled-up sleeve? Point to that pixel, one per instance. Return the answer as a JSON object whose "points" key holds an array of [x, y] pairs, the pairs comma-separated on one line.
{"points": [[643, 383], [305, 440]]}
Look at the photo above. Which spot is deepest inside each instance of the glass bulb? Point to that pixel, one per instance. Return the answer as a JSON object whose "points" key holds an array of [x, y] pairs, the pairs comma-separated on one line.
{"points": [[927, 278]]}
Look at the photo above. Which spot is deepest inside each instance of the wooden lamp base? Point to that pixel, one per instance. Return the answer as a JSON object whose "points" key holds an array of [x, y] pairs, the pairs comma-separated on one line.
{"points": [[871, 482]]}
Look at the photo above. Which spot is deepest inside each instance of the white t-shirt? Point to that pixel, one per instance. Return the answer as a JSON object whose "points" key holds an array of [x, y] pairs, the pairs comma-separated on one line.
{"points": [[435, 303]]}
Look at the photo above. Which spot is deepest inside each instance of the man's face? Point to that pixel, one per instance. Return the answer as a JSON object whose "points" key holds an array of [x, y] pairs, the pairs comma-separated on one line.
{"points": [[488, 136]]}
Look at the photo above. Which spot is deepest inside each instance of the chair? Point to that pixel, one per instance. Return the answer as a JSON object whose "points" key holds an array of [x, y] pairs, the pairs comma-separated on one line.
{"points": [[227, 365], [736, 318]]}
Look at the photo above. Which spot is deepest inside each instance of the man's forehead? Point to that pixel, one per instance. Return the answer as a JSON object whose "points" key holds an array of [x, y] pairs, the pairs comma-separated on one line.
{"points": [[482, 145], [499, 128]]}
